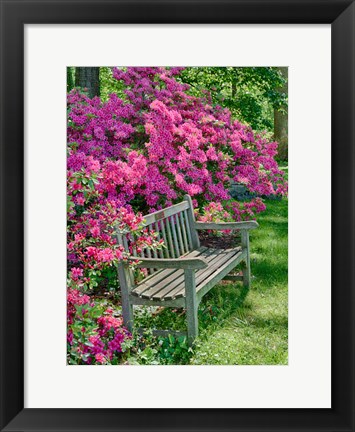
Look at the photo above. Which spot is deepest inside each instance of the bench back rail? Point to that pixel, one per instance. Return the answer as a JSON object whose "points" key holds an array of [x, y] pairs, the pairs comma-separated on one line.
{"points": [[174, 225]]}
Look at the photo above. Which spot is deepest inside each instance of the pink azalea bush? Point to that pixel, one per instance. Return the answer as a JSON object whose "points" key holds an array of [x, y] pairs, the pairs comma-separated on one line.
{"points": [[159, 143], [94, 336], [136, 154]]}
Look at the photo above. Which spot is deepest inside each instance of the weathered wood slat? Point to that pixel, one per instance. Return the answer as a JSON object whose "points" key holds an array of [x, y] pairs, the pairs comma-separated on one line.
{"points": [[165, 213], [149, 255], [246, 272], [203, 274], [178, 303], [161, 292], [183, 229], [155, 253], [188, 231], [218, 275], [226, 225], [125, 242], [179, 263], [157, 230], [171, 245], [173, 229], [167, 254], [191, 225], [161, 276], [168, 283], [134, 250], [178, 281], [125, 280], [181, 244], [159, 289], [191, 305]]}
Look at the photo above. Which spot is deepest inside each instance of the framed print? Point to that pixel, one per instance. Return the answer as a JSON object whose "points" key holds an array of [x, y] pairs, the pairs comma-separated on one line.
{"points": [[177, 203]]}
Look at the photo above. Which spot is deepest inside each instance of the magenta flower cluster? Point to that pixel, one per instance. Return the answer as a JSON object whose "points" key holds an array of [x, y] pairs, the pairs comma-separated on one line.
{"points": [[94, 335]]}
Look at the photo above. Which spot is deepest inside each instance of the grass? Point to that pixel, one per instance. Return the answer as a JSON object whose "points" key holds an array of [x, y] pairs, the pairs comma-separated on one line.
{"points": [[236, 326]]}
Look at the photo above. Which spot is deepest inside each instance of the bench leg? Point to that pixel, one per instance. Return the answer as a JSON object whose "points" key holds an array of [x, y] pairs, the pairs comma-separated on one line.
{"points": [[127, 308], [191, 306], [246, 274], [127, 314], [246, 270]]}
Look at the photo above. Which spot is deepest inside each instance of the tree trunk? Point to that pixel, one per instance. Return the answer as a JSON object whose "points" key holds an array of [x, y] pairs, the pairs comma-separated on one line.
{"points": [[88, 78], [70, 79], [281, 120]]}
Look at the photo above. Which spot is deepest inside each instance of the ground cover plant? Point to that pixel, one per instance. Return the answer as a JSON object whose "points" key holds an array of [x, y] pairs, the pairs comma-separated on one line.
{"points": [[141, 149]]}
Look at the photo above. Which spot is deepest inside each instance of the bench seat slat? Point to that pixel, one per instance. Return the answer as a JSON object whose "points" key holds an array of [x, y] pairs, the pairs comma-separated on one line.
{"points": [[217, 265], [178, 279], [169, 284], [160, 275], [216, 261]]}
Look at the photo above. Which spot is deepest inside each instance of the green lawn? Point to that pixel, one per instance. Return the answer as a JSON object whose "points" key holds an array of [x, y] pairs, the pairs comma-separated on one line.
{"points": [[236, 326]]}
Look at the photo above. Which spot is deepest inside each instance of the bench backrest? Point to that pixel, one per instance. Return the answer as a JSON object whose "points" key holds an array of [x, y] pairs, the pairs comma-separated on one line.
{"points": [[175, 225]]}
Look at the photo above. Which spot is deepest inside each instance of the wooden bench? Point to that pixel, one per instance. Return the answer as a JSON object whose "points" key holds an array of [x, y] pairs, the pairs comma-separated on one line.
{"points": [[182, 272]]}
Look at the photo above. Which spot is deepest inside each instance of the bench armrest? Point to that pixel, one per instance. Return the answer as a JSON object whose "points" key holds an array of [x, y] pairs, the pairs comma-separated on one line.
{"points": [[246, 225], [178, 263]]}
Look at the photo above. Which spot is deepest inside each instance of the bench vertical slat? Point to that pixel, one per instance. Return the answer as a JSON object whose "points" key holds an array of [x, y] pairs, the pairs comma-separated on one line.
{"points": [[132, 240], [191, 218], [182, 248], [152, 228], [125, 242], [182, 223], [188, 229], [171, 246], [157, 229], [165, 238], [173, 229], [149, 255], [126, 245]]}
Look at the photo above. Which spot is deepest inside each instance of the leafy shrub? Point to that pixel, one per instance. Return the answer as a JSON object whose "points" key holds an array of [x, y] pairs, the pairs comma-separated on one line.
{"points": [[95, 336]]}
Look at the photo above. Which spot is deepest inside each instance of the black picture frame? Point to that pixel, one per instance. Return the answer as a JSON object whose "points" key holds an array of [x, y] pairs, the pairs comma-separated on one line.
{"points": [[14, 15]]}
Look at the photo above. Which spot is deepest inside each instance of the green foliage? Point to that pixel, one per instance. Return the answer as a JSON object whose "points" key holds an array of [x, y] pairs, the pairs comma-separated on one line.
{"points": [[174, 350], [251, 93], [109, 85]]}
